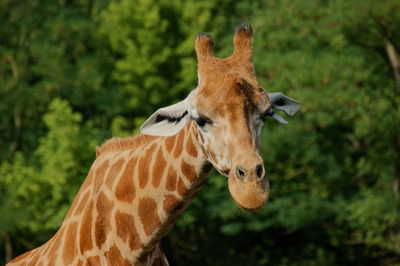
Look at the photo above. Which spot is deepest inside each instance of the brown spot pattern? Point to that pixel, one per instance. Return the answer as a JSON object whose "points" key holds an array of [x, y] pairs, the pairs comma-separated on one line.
{"points": [[73, 207], [103, 223], [52, 259], [85, 233], [94, 260], [190, 148], [88, 181], [55, 246], [114, 257], [169, 143], [113, 172], [171, 179], [144, 166], [170, 203], [35, 259], [82, 203], [194, 131], [125, 190], [182, 189], [158, 168], [188, 170], [179, 144], [80, 199], [148, 215], [99, 175], [126, 230], [69, 249]]}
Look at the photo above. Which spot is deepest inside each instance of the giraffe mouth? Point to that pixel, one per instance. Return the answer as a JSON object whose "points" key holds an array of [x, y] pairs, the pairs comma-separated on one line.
{"points": [[254, 209], [251, 195]]}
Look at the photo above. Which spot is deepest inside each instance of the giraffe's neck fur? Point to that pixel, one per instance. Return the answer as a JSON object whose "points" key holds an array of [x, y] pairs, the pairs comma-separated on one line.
{"points": [[132, 195]]}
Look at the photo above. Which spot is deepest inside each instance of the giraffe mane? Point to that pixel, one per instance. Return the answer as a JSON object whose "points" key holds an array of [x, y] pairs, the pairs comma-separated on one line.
{"points": [[119, 144]]}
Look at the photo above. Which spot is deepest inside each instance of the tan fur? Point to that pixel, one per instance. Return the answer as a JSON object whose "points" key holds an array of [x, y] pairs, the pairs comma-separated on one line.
{"points": [[119, 144], [228, 91]]}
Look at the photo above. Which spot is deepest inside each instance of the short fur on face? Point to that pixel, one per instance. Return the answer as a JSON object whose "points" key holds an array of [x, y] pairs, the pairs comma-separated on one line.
{"points": [[229, 95]]}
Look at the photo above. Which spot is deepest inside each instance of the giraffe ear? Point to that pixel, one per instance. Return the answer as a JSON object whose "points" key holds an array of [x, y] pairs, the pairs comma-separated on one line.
{"points": [[280, 101], [169, 120]]}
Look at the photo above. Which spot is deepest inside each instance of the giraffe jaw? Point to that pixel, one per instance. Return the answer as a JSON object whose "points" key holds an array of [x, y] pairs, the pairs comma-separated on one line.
{"points": [[250, 195]]}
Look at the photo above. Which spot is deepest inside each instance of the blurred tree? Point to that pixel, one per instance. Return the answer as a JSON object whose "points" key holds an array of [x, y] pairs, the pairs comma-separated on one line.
{"points": [[152, 42], [51, 52], [36, 191], [48, 49]]}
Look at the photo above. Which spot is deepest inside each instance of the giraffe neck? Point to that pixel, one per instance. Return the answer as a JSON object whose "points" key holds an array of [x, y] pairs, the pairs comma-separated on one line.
{"points": [[176, 172], [131, 197], [159, 180], [137, 194]]}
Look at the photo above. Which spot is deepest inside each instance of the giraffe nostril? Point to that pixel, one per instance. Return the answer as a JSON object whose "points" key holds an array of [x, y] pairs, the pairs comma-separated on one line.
{"points": [[259, 171], [241, 174]]}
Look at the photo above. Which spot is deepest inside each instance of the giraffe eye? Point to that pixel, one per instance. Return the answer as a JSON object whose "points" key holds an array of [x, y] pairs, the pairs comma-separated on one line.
{"points": [[201, 120]]}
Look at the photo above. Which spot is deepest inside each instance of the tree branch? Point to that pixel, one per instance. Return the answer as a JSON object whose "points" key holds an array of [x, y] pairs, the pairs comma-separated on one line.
{"points": [[394, 62]]}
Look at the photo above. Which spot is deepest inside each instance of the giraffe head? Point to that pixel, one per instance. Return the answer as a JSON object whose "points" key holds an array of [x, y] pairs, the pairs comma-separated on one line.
{"points": [[229, 108]]}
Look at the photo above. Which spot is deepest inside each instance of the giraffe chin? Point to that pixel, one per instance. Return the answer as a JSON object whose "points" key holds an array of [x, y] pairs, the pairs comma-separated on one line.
{"points": [[251, 195]]}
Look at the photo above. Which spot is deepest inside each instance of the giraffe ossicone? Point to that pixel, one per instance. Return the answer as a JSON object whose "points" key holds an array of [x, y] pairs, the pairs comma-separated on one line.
{"points": [[138, 186]]}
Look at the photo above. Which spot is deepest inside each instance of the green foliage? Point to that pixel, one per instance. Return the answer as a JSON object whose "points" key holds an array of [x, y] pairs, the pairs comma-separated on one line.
{"points": [[153, 45], [41, 188], [52, 52], [71, 72]]}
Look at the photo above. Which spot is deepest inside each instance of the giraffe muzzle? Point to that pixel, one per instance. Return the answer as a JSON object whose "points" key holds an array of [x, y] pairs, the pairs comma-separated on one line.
{"points": [[249, 188]]}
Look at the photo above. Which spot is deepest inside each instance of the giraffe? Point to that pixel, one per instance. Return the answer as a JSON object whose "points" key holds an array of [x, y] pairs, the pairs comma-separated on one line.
{"points": [[138, 186]]}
